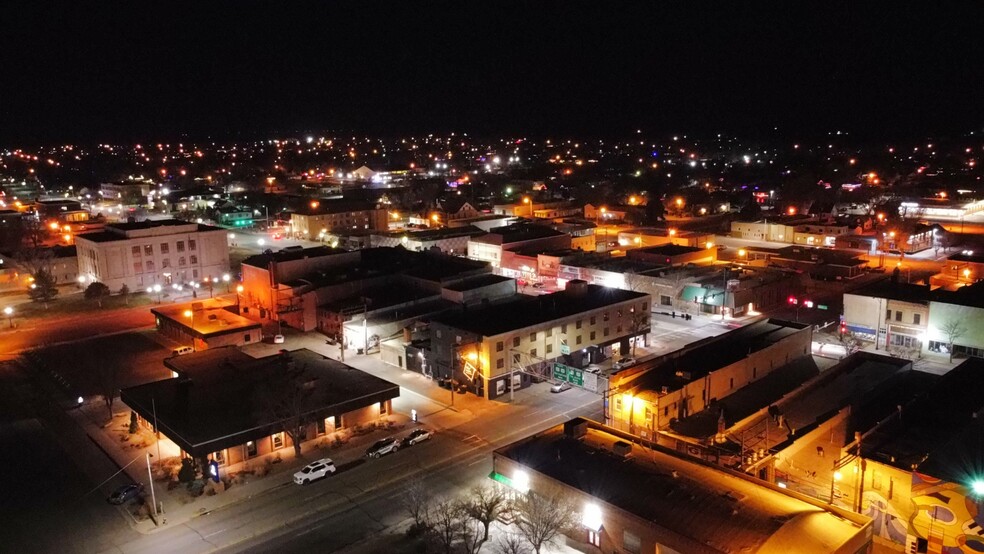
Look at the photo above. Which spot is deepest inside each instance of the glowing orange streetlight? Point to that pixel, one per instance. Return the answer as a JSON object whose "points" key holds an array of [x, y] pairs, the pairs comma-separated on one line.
{"points": [[791, 210], [526, 200]]}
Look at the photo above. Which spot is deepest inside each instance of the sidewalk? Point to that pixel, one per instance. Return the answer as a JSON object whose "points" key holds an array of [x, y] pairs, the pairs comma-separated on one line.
{"points": [[243, 480]]}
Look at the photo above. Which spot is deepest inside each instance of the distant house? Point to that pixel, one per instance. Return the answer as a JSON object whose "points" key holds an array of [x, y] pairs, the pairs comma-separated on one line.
{"points": [[363, 174], [457, 208]]}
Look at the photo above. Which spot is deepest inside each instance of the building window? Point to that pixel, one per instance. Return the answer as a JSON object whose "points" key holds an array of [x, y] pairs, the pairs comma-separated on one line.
{"points": [[618, 403], [594, 538], [563, 328], [618, 312], [194, 274], [604, 316], [191, 244], [278, 440], [135, 250], [500, 363], [219, 457], [182, 262], [150, 265], [592, 336], [618, 329], [888, 315], [592, 320], [532, 337], [631, 542], [549, 332], [321, 425], [533, 352], [137, 267], [644, 306], [577, 324], [549, 348], [915, 319], [181, 246], [498, 346], [605, 331], [515, 341], [148, 249], [578, 341], [250, 449], [246, 337], [194, 260], [665, 300], [165, 262], [731, 383], [164, 248], [898, 316]]}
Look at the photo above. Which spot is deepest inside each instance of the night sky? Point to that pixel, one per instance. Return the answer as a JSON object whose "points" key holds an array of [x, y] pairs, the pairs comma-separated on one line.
{"points": [[244, 69]]}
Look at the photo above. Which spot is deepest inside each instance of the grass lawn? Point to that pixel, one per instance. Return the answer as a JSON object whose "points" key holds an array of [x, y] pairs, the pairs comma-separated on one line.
{"points": [[76, 303]]}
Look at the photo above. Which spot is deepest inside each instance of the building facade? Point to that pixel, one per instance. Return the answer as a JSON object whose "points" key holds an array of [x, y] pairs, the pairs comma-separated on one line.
{"points": [[140, 255], [510, 345]]}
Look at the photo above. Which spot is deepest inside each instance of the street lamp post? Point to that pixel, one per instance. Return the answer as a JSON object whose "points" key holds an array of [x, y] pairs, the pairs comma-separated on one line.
{"points": [[9, 312], [526, 200], [227, 280], [150, 478], [239, 294]]}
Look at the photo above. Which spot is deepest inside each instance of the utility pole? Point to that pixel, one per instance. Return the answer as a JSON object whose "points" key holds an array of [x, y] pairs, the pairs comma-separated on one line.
{"points": [[150, 478], [157, 432]]}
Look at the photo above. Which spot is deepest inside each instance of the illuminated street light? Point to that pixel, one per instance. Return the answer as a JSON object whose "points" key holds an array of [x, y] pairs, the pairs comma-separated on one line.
{"points": [[977, 487], [9, 312]]}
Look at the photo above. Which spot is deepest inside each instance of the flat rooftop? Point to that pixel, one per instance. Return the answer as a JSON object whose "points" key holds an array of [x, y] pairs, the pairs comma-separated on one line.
{"points": [[712, 355], [211, 318], [534, 310], [117, 231], [665, 250], [478, 282], [941, 431], [220, 396], [748, 399], [709, 508], [263, 260]]}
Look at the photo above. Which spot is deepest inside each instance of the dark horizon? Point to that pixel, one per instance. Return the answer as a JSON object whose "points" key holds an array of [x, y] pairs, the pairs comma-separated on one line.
{"points": [[119, 74]]}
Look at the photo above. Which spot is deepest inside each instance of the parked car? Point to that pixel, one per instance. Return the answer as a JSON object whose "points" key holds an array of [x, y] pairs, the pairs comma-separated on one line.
{"points": [[382, 447], [318, 469], [415, 436], [538, 285], [182, 350], [593, 368], [278, 339], [624, 363], [124, 493], [560, 387]]}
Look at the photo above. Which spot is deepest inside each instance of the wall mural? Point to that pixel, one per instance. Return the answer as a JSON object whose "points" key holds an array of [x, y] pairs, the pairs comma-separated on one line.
{"points": [[945, 517]]}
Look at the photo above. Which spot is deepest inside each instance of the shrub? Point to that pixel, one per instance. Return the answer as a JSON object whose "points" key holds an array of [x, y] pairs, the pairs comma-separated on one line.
{"points": [[133, 422]]}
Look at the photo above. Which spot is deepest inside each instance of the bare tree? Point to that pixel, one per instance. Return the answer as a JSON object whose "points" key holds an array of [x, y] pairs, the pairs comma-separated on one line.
{"points": [[540, 518], [486, 504], [448, 521], [288, 397], [511, 543], [952, 329], [471, 536], [416, 502], [639, 321]]}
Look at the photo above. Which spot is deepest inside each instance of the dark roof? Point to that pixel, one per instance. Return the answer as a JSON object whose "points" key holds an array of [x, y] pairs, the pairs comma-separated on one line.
{"points": [[533, 310], [335, 206], [665, 250], [117, 231], [263, 260], [970, 295], [217, 401], [477, 282], [436, 234], [939, 433], [965, 257], [520, 232], [696, 507], [894, 290], [714, 354], [749, 399]]}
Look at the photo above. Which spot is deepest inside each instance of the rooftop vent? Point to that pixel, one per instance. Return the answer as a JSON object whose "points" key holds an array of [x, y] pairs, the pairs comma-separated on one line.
{"points": [[576, 428], [622, 449]]}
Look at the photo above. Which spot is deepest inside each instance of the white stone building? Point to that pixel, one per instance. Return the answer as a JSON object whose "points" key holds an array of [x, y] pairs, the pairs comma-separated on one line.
{"points": [[150, 253]]}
